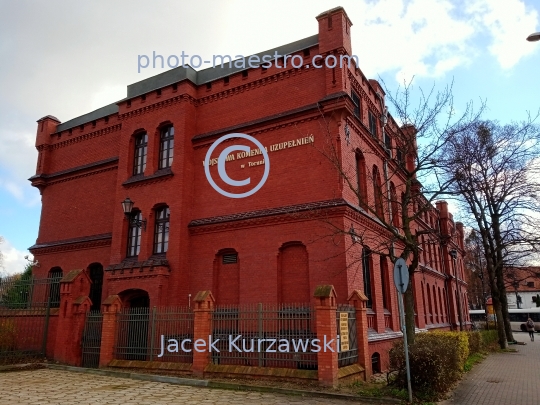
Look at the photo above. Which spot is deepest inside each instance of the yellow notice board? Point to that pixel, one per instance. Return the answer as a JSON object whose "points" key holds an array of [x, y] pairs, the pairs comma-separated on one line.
{"points": [[344, 331]]}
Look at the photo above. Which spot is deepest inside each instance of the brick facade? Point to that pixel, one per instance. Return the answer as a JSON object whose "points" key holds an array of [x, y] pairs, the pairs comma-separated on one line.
{"points": [[280, 234]]}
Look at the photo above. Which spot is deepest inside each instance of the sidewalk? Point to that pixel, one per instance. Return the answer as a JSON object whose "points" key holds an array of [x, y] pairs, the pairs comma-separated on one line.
{"points": [[503, 378]]}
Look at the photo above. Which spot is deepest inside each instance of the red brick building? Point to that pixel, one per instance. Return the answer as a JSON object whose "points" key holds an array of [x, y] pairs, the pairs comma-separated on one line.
{"points": [[183, 237]]}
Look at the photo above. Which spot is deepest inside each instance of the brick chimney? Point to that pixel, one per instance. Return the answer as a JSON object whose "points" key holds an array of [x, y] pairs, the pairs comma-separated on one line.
{"points": [[334, 31], [46, 126]]}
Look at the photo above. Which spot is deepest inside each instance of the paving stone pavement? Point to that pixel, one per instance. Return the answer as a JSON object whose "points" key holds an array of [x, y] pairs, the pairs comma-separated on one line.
{"points": [[46, 386], [503, 378]]}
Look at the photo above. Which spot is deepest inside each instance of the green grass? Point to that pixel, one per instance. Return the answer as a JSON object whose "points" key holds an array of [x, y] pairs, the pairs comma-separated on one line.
{"points": [[472, 360]]}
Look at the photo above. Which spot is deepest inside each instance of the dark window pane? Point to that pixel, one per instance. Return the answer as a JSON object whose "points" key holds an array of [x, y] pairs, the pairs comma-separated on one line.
{"points": [[366, 258], [139, 160], [134, 235], [161, 230], [166, 147]]}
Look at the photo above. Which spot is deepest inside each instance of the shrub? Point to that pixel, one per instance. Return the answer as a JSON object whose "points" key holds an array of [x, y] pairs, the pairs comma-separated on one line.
{"points": [[489, 337], [475, 342], [436, 360], [8, 335]]}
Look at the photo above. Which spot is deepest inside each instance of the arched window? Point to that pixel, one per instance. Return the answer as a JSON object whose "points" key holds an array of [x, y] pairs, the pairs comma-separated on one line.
{"points": [[361, 178], [161, 230], [134, 234], [395, 205], [424, 304], [54, 276], [141, 148], [377, 192], [293, 273], [384, 282], [366, 269], [435, 304], [430, 308], [226, 283], [375, 363], [166, 147]]}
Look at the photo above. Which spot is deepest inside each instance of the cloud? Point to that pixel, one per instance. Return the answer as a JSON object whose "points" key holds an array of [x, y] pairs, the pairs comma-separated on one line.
{"points": [[508, 22], [429, 38], [13, 259]]}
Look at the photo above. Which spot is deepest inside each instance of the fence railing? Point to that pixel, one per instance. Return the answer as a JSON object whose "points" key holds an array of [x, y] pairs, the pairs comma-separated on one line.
{"points": [[155, 334], [25, 309], [20, 292], [348, 338], [265, 335]]}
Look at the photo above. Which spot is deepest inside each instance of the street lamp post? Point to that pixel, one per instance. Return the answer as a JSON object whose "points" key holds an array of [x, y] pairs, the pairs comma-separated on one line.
{"points": [[534, 37], [453, 253]]}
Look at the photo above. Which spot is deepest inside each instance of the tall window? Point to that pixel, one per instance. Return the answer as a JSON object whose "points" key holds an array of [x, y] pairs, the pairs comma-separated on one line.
{"points": [[356, 102], [161, 232], [366, 268], [384, 272], [395, 205], [134, 235], [372, 124], [166, 147], [361, 178], [141, 148], [377, 192], [387, 144]]}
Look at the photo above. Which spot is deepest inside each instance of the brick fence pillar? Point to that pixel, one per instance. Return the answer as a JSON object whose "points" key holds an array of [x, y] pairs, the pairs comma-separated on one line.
{"points": [[74, 288], [110, 307], [325, 312], [202, 329], [358, 300]]}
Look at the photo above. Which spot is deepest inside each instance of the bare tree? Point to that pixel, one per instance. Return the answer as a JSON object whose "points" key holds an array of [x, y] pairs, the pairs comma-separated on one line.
{"points": [[475, 263], [494, 173], [399, 196]]}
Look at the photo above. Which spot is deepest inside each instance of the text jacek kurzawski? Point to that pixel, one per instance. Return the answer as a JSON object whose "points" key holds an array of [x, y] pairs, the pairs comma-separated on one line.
{"points": [[238, 344]]}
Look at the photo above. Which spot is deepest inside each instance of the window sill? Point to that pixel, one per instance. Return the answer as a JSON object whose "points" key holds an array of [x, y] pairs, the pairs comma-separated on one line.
{"points": [[141, 178]]}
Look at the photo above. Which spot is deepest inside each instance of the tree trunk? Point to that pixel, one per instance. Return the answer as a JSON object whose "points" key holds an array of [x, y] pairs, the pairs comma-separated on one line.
{"points": [[504, 310]]}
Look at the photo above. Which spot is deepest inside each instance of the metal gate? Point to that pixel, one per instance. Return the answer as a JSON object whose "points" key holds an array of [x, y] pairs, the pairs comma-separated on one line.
{"points": [[91, 339]]}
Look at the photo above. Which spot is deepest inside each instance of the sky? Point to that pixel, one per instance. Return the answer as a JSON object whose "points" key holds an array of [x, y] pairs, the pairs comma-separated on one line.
{"points": [[66, 58]]}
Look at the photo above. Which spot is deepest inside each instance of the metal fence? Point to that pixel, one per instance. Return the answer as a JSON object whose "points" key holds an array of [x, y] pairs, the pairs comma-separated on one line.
{"points": [[265, 335], [25, 309], [22, 291], [348, 338], [155, 334], [91, 339]]}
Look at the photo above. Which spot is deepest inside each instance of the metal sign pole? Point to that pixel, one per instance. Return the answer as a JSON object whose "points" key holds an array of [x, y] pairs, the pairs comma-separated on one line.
{"points": [[401, 280], [405, 344]]}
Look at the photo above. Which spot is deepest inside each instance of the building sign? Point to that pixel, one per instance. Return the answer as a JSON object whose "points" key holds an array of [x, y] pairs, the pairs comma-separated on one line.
{"points": [[243, 152], [344, 331]]}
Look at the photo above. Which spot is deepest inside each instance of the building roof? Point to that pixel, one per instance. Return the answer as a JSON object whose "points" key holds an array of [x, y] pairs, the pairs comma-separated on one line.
{"points": [[179, 74]]}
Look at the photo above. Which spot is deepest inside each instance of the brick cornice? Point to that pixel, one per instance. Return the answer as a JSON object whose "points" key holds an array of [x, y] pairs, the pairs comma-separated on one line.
{"points": [[160, 175], [157, 106], [320, 210], [75, 139], [76, 169], [84, 242]]}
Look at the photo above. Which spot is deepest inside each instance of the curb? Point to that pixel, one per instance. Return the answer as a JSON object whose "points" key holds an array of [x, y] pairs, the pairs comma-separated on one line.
{"points": [[221, 385]]}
